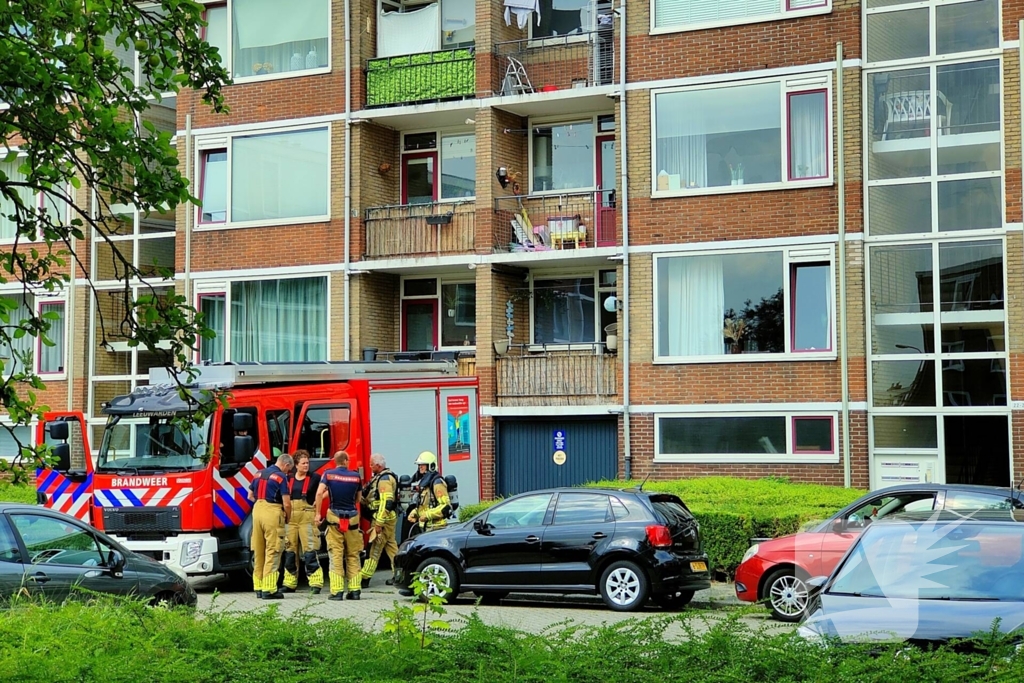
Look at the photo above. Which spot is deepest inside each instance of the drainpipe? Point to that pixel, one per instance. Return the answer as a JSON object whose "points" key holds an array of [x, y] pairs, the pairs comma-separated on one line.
{"points": [[348, 177], [624, 203], [189, 211], [844, 360], [69, 344]]}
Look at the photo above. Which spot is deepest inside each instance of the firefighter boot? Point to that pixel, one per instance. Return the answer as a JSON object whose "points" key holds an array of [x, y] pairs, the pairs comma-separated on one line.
{"points": [[291, 581], [337, 586], [353, 587], [270, 591], [314, 574]]}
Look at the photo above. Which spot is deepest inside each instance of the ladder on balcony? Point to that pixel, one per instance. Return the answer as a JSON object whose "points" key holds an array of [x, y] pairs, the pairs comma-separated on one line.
{"points": [[516, 81]]}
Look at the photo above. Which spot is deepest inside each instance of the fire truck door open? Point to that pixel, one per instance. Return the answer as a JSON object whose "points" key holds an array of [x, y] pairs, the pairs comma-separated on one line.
{"points": [[67, 487], [325, 428]]}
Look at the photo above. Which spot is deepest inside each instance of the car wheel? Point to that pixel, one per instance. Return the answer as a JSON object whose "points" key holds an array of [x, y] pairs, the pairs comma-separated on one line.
{"points": [[624, 586], [492, 597], [786, 594], [674, 601], [444, 575]]}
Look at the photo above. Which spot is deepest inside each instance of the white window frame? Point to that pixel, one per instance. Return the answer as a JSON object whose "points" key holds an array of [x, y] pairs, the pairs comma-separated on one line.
{"points": [[791, 256], [784, 13], [564, 121], [227, 61], [788, 456], [439, 134], [39, 302], [31, 426], [218, 142], [202, 288], [34, 301], [599, 289], [438, 297], [40, 202], [789, 85], [931, 6]]}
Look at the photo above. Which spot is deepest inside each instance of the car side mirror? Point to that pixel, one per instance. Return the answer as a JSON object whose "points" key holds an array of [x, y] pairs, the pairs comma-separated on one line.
{"points": [[481, 526], [839, 525], [115, 564], [62, 452], [58, 430], [241, 422], [245, 449]]}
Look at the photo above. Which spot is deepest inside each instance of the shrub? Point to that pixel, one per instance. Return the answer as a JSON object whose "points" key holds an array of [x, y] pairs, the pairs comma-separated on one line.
{"points": [[17, 493], [731, 511]]}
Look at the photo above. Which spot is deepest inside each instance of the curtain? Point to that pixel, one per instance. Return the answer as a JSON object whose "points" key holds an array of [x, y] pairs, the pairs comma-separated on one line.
{"points": [[695, 306], [409, 33], [8, 228], [13, 352], [213, 310], [279, 320], [51, 358], [283, 175], [682, 162], [808, 156], [288, 36]]}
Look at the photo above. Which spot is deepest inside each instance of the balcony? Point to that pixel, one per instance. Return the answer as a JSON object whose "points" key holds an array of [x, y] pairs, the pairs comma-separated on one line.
{"points": [[544, 65], [582, 375], [424, 77], [555, 222], [420, 229]]}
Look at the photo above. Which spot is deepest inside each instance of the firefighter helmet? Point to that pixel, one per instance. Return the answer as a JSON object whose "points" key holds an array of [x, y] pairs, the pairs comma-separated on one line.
{"points": [[427, 458]]}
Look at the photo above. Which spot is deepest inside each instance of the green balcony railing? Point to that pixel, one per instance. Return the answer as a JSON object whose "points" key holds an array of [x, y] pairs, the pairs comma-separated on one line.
{"points": [[425, 77]]}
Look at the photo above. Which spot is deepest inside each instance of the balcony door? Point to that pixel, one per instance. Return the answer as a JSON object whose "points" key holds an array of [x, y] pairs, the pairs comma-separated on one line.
{"points": [[419, 178], [419, 325], [605, 235]]}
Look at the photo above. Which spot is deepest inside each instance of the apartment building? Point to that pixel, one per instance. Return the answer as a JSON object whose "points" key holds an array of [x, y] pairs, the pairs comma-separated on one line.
{"points": [[444, 178]]}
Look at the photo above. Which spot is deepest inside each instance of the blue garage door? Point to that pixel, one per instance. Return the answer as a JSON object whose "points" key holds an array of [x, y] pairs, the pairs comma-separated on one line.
{"points": [[526, 450]]}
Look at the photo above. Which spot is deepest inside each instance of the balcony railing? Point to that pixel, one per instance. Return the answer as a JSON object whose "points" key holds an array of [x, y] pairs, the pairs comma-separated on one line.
{"points": [[424, 77], [582, 375], [419, 229], [576, 60], [552, 222]]}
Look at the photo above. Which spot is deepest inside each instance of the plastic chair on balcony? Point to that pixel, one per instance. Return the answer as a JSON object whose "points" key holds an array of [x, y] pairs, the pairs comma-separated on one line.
{"points": [[516, 81]]}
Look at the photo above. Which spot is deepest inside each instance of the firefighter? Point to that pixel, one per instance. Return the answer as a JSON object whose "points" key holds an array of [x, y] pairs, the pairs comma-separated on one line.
{"points": [[381, 499], [271, 512], [344, 538], [302, 538], [434, 506]]}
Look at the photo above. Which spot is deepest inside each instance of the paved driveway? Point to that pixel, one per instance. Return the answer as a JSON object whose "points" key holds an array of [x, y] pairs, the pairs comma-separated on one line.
{"points": [[530, 613]]}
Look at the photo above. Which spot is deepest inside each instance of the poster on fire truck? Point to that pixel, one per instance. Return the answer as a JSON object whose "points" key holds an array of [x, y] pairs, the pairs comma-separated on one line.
{"points": [[458, 428]]}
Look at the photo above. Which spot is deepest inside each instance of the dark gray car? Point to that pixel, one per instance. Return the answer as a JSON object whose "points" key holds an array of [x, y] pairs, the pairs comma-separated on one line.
{"points": [[51, 555]]}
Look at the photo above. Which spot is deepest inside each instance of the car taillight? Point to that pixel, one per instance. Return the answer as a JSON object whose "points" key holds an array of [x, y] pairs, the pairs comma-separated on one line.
{"points": [[659, 536]]}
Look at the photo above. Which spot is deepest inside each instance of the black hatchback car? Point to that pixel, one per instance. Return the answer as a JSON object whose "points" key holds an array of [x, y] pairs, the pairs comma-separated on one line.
{"points": [[52, 555], [626, 545]]}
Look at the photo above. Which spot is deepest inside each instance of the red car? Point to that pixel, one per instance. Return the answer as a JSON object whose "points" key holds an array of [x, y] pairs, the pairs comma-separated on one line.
{"points": [[775, 570]]}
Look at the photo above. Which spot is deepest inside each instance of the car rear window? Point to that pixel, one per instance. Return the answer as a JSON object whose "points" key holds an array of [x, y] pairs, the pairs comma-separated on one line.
{"points": [[629, 510], [671, 509]]}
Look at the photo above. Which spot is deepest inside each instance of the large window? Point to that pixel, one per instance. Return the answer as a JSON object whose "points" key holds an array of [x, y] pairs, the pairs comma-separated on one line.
{"points": [[265, 37], [47, 358], [750, 437], [56, 208], [681, 15], [758, 135], [564, 18], [570, 310], [747, 303], [563, 156], [950, 353], [265, 320], [897, 31], [270, 178], [12, 438], [438, 166], [438, 314]]}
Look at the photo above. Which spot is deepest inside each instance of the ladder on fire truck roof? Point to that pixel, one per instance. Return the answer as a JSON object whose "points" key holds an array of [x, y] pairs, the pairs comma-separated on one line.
{"points": [[240, 374]]}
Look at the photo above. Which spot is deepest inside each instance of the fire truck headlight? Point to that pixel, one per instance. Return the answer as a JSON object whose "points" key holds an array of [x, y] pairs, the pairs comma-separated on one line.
{"points": [[190, 552]]}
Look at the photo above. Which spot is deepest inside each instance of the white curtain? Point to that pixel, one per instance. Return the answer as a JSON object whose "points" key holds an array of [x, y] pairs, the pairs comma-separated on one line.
{"points": [[409, 33], [213, 310], [695, 306], [279, 176], [279, 320], [682, 162], [807, 136], [51, 358], [288, 36]]}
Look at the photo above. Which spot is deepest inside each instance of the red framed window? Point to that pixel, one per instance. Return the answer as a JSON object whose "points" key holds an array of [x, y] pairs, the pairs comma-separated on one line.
{"points": [[419, 178], [50, 359], [810, 317], [807, 120], [419, 325], [213, 186], [213, 306], [813, 435]]}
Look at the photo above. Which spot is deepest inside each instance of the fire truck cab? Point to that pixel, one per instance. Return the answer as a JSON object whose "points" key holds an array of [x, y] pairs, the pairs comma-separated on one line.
{"points": [[181, 496]]}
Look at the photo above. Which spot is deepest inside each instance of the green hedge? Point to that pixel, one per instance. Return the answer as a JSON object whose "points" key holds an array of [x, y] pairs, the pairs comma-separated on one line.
{"points": [[732, 511], [420, 78], [108, 643], [17, 493]]}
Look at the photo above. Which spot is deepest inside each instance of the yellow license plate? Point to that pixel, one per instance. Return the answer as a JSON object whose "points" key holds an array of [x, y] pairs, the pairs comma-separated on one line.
{"points": [[698, 567]]}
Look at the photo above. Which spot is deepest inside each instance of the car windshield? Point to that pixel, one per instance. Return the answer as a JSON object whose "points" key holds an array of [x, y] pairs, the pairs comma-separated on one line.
{"points": [[151, 445], [936, 561]]}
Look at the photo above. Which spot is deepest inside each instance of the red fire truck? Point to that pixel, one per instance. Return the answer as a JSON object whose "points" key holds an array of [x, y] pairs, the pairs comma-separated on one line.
{"points": [[181, 497]]}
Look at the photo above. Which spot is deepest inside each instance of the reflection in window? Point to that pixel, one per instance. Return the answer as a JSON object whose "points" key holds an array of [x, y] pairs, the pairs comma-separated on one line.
{"points": [[722, 435], [214, 191], [811, 306], [582, 508], [812, 435], [458, 166], [903, 383], [54, 541], [525, 511], [563, 311], [971, 276], [905, 431], [563, 156], [458, 314]]}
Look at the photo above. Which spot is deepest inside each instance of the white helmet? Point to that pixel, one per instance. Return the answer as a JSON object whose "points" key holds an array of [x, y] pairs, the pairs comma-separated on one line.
{"points": [[427, 458]]}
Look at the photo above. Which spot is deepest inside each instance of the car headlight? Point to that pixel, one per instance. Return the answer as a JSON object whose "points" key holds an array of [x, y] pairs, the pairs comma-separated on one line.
{"points": [[190, 552], [751, 551]]}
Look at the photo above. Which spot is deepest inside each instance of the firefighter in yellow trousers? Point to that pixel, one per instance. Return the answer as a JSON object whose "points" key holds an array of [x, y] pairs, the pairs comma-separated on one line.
{"points": [[302, 538], [270, 514], [344, 539], [381, 500], [434, 505]]}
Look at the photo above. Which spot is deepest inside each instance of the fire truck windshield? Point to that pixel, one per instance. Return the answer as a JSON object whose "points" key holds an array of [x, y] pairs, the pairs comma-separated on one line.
{"points": [[153, 444]]}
